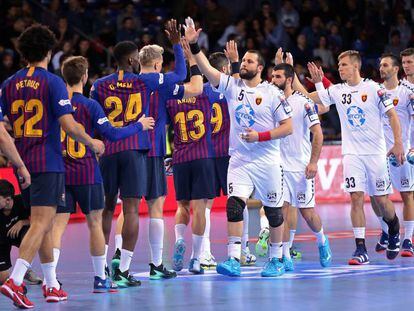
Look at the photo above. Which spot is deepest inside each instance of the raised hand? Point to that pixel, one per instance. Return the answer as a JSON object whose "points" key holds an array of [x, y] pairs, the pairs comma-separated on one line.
{"points": [[191, 34], [147, 122], [231, 51], [315, 72], [186, 48], [289, 58], [172, 32], [279, 56]]}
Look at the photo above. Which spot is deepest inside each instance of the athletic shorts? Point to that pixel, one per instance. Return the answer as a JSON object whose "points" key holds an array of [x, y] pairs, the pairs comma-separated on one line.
{"points": [[89, 198], [367, 173], [6, 244], [157, 180], [125, 172], [221, 166], [298, 191], [262, 181], [402, 177], [194, 180], [46, 189]]}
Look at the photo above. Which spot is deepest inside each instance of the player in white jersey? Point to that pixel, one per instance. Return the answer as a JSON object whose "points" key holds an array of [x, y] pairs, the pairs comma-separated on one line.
{"points": [[259, 117], [402, 177], [300, 163], [361, 103]]}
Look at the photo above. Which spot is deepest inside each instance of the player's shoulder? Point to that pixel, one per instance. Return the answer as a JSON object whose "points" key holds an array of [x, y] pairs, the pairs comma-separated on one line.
{"points": [[404, 85], [54, 79], [299, 96]]}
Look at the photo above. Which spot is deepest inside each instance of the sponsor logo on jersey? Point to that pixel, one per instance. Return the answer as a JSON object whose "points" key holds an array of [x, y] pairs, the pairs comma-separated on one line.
{"points": [[102, 120], [301, 197], [271, 196], [245, 115], [364, 97], [356, 116], [177, 87], [405, 182], [64, 102], [380, 184], [285, 104], [311, 113]]}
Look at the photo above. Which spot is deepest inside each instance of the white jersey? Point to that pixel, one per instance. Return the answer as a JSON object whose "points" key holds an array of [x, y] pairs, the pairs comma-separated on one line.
{"points": [[360, 110], [296, 148], [260, 108], [403, 100]]}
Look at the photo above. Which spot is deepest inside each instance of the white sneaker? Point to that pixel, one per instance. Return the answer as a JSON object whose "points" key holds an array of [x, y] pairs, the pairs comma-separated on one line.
{"points": [[247, 258], [213, 262], [205, 260]]}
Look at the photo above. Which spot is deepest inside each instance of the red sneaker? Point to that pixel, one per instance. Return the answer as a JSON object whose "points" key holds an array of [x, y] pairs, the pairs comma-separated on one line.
{"points": [[17, 294], [55, 295], [44, 291]]}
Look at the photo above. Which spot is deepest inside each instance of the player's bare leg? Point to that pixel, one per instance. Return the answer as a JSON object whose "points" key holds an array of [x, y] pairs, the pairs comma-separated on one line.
{"points": [[360, 256], [382, 243], [182, 219], [198, 228], [287, 259], [207, 260]]}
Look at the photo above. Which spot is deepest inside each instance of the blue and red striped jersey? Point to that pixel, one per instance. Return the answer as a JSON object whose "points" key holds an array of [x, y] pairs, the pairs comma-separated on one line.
{"points": [[158, 110], [192, 128], [220, 122], [80, 161], [1, 112], [34, 99]]}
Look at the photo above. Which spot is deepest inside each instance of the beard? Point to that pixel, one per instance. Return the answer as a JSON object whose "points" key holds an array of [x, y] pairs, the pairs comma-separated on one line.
{"points": [[281, 86], [247, 75]]}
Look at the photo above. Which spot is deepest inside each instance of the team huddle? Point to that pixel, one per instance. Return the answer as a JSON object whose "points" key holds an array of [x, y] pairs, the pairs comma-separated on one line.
{"points": [[235, 135]]}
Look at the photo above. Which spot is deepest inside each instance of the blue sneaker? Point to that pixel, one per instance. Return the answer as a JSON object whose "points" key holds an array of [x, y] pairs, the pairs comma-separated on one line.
{"points": [[407, 248], [393, 247], [325, 254], [178, 258], [359, 257], [382, 243], [195, 266], [274, 267], [288, 264], [104, 286], [230, 267]]}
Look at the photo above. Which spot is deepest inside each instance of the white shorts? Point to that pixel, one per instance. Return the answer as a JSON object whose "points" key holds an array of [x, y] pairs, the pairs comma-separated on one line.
{"points": [[367, 173], [402, 177], [263, 182], [297, 190]]}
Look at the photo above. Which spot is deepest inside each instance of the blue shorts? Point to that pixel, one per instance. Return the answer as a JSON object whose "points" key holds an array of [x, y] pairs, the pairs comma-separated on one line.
{"points": [[46, 189], [125, 172], [157, 181], [221, 166], [194, 180], [89, 198]]}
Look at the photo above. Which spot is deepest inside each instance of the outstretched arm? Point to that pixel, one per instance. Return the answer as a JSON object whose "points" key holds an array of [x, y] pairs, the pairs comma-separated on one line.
{"points": [[195, 86], [180, 70]]}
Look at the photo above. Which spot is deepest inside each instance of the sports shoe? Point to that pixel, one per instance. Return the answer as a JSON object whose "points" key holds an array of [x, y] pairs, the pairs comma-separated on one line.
{"points": [[116, 259], [288, 264], [195, 266], [124, 279], [55, 295], [247, 258], [273, 268], [407, 249], [262, 244], [104, 285], [230, 267], [382, 242], [213, 262], [17, 294], [178, 257], [31, 278], [359, 257], [160, 272], [393, 247], [107, 272], [325, 254], [205, 258], [295, 254]]}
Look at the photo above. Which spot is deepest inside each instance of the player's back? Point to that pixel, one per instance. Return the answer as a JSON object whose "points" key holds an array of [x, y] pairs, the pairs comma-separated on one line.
{"points": [[34, 99], [80, 161]]}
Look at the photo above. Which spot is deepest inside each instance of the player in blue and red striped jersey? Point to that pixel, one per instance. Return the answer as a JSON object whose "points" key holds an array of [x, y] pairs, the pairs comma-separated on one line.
{"points": [[125, 96], [84, 183], [37, 104]]}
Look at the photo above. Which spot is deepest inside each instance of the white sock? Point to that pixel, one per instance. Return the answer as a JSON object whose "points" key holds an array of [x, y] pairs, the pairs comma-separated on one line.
{"points": [[98, 263], [19, 270], [264, 223], [197, 241], [106, 254], [286, 250], [359, 232], [383, 224], [205, 248], [125, 262], [234, 247], [408, 229], [156, 240], [245, 235], [179, 231], [320, 237], [56, 255], [291, 237], [49, 273], [276, 250], [118, 241]]}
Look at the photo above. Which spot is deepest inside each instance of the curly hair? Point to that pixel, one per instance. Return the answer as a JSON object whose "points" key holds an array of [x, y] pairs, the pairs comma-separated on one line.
{"points": [[35, 42], [123, 50]]}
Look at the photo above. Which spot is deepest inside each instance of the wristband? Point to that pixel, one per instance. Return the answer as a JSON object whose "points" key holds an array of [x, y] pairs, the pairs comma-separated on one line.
{"points": [[195, 71], [326, 82], [264, 136], [235, 68], [194, 48]]}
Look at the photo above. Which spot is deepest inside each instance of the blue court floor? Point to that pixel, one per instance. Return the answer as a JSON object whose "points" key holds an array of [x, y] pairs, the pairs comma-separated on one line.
{"points": [[382, 285]]}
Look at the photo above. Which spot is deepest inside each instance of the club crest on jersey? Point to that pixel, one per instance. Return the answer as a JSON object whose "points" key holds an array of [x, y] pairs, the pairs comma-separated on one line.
{"points": [[301, 197], [395, 102], [364, 97], [380, 184], [258, 101]]}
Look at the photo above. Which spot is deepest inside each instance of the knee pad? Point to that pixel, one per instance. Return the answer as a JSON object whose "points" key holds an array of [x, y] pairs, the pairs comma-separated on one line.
{"points": [[274, 215], [235, 207]]}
